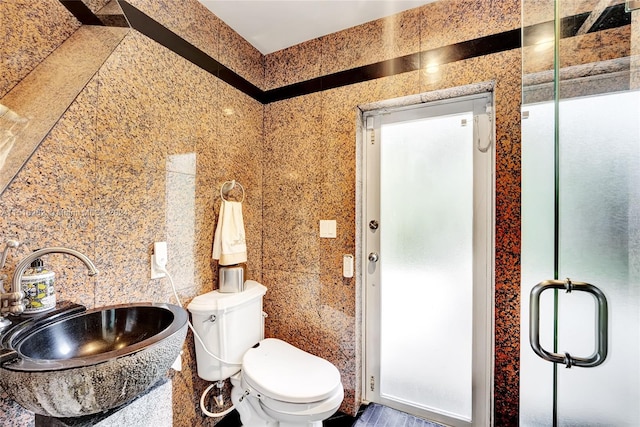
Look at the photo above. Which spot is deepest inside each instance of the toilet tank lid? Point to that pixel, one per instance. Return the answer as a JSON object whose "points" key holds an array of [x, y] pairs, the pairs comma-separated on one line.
{"points": [[217, 301]]}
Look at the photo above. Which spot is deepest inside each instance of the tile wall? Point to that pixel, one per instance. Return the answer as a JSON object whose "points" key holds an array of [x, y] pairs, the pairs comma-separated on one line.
{"points": [[310, 145], [30, 33], [138, 157], [141, 153]]}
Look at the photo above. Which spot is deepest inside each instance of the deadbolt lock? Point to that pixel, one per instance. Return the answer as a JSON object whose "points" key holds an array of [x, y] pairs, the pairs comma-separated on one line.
{"points": [[373, 224]]}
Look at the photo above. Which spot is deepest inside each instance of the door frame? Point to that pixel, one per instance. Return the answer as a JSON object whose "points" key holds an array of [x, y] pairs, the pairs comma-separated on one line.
{"points": [[483, 367]]}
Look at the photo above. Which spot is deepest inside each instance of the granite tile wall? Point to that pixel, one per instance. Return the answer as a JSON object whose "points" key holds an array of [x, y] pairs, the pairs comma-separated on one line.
{"points": [[138, 157], [142, 152], [308, 174], [538, 11], [197, 25], [30, 32], [310, 145], [95, 5], [314, 137]]}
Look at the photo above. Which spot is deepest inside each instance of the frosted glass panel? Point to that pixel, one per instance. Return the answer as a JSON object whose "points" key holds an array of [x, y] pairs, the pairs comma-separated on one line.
{"points": [[599, 226], [426, 202], [536, 375], [599, 241]]}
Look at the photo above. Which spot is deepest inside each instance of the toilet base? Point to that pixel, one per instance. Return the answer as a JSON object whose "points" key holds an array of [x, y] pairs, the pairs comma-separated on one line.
{"points": [[252, 414], [249, 409]]}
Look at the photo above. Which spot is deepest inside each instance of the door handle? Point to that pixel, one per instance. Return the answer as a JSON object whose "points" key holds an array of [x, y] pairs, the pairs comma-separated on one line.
{"points": [[374, 257], [600, 353]]}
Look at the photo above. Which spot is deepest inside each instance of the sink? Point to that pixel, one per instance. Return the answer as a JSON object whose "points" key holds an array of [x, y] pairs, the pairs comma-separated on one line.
{"points": [[88, 362]]}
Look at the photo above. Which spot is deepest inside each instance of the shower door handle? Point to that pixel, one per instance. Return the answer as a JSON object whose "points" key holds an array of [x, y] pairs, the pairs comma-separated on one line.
{"points": [[600, 353]]}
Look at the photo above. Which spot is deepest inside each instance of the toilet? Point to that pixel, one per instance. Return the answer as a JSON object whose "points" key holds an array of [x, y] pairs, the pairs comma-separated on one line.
{"points": [[274, 383]]}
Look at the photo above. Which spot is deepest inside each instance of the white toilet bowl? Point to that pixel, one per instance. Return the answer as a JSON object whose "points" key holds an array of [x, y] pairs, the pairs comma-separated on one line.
{"points": [[281, 385]]}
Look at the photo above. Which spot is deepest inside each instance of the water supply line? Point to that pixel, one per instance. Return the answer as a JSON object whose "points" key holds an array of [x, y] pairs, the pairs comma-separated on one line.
{"points": [[219, 384], [219, 400]]}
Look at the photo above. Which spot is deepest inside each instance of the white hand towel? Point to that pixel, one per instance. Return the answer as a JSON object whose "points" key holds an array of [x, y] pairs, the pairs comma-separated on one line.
{"points": [[229, 243]]}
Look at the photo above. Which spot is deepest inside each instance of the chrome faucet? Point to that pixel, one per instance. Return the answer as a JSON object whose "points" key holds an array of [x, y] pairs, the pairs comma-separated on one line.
{"points": [[13, 302]]}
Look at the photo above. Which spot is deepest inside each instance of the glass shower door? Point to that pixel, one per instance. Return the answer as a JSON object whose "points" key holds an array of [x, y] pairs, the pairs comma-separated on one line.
{"points": [[580, 214], [597, 240]]}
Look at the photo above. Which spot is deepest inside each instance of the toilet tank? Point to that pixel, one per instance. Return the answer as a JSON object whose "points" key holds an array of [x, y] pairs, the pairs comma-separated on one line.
{"points": [[229, 324]]}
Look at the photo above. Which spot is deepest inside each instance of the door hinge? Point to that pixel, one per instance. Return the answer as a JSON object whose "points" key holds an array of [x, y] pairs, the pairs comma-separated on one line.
{"points": [[372, 383], [370, 124]]}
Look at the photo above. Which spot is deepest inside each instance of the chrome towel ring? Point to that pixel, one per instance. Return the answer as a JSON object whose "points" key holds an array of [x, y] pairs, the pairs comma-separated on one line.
{"points": [[226, 188]]}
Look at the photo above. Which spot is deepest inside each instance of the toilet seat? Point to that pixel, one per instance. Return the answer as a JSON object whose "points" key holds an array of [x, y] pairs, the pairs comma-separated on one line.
{"points": [[281, 372]]}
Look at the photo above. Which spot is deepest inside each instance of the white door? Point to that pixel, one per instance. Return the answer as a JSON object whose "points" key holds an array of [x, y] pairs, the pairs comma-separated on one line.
{"points": [[428, 259]]}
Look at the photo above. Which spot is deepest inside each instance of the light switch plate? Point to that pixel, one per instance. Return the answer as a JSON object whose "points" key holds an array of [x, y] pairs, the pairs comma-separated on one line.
{"points": [[158, 260], [328, 228], [347, 266]]}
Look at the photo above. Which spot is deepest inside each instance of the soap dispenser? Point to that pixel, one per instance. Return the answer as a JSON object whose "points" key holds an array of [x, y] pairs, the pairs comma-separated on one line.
{"points": [[37, 285]]}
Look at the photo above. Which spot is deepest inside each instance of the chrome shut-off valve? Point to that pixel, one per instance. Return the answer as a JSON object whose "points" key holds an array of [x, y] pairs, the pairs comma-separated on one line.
{"points": [[10, 302]]}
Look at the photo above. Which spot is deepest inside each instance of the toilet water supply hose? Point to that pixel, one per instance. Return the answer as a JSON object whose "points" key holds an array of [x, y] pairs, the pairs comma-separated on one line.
{"points": [[195, 334]]}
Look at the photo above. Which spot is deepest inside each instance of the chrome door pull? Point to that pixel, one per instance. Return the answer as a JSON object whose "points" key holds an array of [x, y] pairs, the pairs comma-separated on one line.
{"points": [[373, 257], [600, 353]]}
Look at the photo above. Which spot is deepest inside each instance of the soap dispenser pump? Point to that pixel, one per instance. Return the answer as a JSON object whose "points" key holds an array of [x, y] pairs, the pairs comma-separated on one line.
{"points": [[37, 285]]}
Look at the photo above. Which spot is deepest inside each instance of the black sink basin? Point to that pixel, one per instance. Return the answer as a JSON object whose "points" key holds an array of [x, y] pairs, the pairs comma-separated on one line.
{"points": [[92, 361], [93, 336]]}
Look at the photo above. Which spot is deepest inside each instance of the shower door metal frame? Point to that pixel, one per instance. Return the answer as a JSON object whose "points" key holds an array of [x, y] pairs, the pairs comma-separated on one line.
{"points": [[483, 305]]}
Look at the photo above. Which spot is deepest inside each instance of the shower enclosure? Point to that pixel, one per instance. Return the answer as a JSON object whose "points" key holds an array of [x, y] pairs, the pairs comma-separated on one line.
{"points": [[580, 318]]}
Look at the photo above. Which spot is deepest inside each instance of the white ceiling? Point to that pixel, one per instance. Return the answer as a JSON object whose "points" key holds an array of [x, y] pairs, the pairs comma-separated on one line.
{"points": [[272, 25]]}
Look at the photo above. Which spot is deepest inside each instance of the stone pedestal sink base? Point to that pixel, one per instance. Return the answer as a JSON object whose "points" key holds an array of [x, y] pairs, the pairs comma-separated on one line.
{"points": [[153, 408]]}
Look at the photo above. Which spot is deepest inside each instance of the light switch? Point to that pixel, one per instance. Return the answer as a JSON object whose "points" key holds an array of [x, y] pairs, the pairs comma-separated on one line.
{"points": [[328, 228]]}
